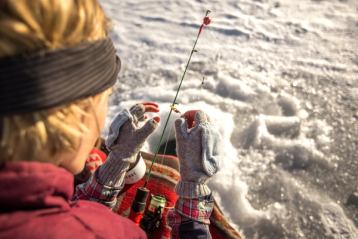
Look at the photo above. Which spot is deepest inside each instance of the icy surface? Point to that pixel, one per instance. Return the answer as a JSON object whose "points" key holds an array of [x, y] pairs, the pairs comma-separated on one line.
{"points": [[281, 83]]}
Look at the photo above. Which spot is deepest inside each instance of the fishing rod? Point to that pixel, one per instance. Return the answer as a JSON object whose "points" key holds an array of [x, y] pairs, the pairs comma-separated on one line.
{"points": [[206, 21], [151, 219]]}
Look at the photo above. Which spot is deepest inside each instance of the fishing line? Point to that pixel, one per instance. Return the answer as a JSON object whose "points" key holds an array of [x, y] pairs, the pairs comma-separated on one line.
{"points": [[164, 152], [212, 43], [166, 144]]}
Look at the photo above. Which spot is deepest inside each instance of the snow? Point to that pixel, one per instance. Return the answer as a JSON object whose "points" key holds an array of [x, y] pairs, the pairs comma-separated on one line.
{"points": [[280, 82]]}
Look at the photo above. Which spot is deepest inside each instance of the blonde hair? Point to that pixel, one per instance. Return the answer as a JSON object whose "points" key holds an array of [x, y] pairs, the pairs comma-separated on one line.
{"points": [[29, 26]]}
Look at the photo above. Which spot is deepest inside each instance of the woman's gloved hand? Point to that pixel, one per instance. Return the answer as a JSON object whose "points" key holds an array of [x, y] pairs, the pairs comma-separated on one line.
{"points": [[124, 141], [125, 137], [199, 151]]}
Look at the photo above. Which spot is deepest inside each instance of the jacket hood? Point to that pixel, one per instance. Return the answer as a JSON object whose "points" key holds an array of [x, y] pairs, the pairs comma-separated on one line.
{"points": [[34, 185]]}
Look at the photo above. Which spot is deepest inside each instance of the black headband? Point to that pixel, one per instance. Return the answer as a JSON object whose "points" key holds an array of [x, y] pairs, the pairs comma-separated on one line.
{"points": [[47, 79]]}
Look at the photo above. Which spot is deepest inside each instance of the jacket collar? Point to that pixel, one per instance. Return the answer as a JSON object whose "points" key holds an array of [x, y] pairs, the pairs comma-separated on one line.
{"points": [[34, 185]]}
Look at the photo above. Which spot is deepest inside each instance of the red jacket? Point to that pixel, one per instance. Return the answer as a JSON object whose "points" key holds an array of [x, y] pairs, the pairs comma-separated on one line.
{"points": [[35, 202]]}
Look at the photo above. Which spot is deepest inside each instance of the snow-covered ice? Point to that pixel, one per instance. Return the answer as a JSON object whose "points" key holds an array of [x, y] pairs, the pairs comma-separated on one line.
{"points": [[280, 82]]}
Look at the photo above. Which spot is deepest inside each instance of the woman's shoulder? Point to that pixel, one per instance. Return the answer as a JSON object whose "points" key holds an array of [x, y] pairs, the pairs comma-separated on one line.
{"points": [[103, 221], [84, 219]]}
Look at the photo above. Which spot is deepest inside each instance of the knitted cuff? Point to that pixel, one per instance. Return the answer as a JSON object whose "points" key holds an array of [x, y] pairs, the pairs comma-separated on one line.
{"points": [[112, 172], [191, 189], [95, 191]]}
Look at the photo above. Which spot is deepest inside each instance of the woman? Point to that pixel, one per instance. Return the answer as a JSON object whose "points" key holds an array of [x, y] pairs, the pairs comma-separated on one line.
{"points": [[57, 67]]}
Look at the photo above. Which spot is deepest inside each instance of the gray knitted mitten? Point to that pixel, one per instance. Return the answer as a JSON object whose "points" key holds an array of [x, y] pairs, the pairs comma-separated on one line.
{"points": [[124, 141], [199, 153]]}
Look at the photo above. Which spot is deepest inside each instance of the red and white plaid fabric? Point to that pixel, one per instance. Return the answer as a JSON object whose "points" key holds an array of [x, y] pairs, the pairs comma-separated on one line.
{"points": [[93, 190], [189, 209], [196, 209]]}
